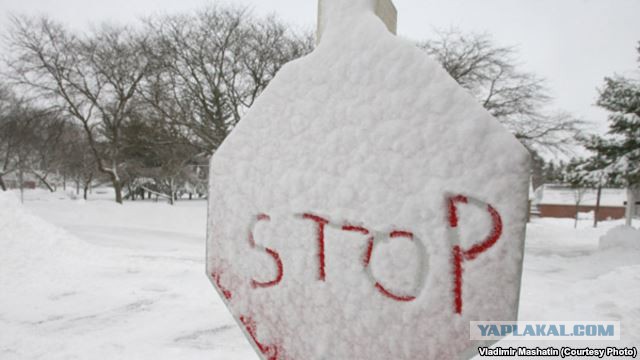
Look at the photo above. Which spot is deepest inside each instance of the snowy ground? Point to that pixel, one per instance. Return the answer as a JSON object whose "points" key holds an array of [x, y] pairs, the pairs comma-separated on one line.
{"points": [[567, 277], [120, 282], [94, 280]]}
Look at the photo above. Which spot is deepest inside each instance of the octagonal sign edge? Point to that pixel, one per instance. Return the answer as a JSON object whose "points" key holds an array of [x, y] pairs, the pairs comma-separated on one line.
{"points": [[366, 207]]}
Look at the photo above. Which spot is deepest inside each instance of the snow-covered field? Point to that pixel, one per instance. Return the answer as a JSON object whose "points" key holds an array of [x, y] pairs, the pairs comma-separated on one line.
{"points": [[95, 280], [109, 282]]}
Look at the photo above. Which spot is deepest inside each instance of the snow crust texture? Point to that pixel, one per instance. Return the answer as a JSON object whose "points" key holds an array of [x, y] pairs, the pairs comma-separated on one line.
{"points": [[366, 207]]}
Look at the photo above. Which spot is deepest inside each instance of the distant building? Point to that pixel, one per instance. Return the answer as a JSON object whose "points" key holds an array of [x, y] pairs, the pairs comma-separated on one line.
{"points": [[12, 181], [559, 201]]}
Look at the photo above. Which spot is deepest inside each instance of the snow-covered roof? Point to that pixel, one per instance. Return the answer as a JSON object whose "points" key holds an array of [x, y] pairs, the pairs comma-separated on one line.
{"points": [[563, 195]]}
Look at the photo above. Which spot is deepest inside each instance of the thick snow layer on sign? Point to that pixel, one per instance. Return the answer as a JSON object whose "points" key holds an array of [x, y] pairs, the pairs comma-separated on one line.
{"points": [[366, 137]]}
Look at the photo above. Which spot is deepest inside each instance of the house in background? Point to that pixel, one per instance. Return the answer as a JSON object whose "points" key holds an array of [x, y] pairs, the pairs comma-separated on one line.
{"points": [[12, 181], [559, 201]]}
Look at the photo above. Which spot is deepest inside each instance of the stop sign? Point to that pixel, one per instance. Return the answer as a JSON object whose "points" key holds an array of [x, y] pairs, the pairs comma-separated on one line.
{"points": [[366, 207]]}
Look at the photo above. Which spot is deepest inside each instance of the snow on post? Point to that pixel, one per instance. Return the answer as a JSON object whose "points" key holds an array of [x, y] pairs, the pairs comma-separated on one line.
{"points": [[384, 9], [366, 207]]}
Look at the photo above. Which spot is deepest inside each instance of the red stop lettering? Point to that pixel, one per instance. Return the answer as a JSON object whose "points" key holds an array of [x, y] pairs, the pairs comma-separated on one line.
{"points": [[459, 254]]}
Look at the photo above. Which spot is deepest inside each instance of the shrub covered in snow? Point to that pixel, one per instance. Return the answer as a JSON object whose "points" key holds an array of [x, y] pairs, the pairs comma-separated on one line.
{"points": [[621, 237]]}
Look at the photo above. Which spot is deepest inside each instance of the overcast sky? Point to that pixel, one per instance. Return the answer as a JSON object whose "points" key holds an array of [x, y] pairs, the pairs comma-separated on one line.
{"points": [[571, 43]]}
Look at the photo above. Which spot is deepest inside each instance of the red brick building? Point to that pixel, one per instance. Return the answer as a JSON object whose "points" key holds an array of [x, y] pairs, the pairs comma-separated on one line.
{"points": [[12, 181], [559, 201]]}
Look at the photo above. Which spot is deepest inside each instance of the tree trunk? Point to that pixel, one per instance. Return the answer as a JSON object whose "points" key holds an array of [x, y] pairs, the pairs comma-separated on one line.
{"points": [[43, 179], [117, 187], [132, 194], [171, 193], [21, 180], [2, 185], [87, 184], [631, 202], [597, 210], [575, 224]]}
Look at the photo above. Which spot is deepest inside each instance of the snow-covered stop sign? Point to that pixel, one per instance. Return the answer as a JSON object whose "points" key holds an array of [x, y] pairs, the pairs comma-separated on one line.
{"points": [[366, 207]]}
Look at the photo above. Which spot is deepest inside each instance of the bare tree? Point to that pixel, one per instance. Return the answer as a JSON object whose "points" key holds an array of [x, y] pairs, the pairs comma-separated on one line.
{"points": [[578, 195], [186, 80], [16, 137], [211, 66], [192, 59], [77, 161], [581, 181], [92, 78], [5, 140], [265, 46], [159, 152], [46, 155], [30, 139], [518, 99]]}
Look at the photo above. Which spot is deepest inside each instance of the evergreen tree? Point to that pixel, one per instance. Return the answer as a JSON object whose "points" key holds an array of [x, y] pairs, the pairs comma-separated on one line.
{"points": [[621, 149]]}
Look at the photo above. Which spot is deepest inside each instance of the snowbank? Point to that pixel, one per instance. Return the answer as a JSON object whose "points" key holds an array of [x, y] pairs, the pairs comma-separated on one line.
{"points": [[36, 254], [28, 238], [624, 237], [108, 282]]}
